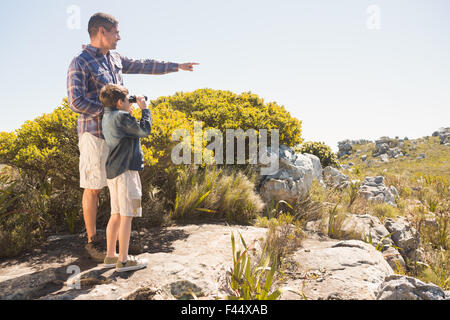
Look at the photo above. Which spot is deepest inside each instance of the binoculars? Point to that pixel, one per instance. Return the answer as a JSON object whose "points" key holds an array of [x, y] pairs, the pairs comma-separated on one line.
{"points": [[132, 99]]}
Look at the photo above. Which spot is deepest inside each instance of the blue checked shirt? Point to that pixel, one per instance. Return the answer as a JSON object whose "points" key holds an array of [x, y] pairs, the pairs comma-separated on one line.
{"points": [[90, 71]]}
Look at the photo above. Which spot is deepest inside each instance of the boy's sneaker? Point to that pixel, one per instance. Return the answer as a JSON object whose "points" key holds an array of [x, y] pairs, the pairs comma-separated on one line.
{"points": [[110, 262], [131, 264], [95, 249]]}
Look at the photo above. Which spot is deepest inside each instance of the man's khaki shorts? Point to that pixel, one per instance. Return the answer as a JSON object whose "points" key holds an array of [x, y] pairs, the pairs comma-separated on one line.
{"points": [[93, 155], [126, 193]]}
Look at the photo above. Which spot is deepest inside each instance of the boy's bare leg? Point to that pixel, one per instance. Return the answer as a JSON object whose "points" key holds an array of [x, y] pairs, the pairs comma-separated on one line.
{"points": [[124, 237], [112, 233], [90, 203]]}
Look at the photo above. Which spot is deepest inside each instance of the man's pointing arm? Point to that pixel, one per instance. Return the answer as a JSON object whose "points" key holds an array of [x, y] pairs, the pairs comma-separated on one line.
{"points": [[149, 66]]}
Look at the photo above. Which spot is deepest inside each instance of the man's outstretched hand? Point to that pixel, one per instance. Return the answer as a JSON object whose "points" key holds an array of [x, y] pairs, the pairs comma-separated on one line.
{"points": [[187, 66]]}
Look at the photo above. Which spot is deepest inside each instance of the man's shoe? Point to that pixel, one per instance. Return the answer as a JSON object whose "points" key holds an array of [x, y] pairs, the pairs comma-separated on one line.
{"points": [[131, 264], [110, 262], [94, 249]]}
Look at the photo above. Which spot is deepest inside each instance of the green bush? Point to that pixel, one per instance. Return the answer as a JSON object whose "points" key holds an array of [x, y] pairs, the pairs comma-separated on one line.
{"points": [[40, 188], [210, 193], [226, 110], [321, 150]]}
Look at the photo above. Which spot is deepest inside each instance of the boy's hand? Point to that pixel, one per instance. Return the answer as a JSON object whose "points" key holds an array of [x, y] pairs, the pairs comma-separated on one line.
{"points": [[141, 102]]}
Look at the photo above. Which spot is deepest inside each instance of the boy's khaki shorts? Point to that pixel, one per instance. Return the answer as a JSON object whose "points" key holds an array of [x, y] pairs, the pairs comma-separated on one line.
{"points": [[126, 193], [93, 155]]}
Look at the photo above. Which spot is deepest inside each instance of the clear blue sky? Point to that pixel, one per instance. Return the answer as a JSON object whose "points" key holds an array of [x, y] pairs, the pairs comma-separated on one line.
{"points": [[317, 58]]}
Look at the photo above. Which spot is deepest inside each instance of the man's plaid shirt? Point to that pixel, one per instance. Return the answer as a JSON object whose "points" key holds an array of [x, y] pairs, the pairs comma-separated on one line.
{"points": [[90, 71]]}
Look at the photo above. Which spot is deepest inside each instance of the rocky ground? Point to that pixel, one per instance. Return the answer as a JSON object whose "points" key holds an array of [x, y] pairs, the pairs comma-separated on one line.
{"points": [[195, 259]]}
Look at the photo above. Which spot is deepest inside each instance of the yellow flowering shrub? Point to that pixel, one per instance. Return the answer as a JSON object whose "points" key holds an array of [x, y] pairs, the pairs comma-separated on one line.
{"points": [[321, 150], [227, 110]]}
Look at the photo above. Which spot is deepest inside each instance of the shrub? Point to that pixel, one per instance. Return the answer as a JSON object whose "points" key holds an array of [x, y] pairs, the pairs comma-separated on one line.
{"points": [[41, 191], [321, 150], [46, 148], [226, 110], [384, 210], [284, 236], [218, 194]]}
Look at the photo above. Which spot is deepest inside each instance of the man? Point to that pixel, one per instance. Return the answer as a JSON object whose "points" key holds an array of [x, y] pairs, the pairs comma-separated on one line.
{"points": [[88, 72]]}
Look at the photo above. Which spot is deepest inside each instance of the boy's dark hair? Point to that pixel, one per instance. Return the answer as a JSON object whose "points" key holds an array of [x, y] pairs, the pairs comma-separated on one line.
{"points": [[100, 19], [111, 93]]}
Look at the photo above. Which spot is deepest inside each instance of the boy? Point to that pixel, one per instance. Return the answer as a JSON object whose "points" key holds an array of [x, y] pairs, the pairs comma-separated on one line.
{"points": [[125, 158]]}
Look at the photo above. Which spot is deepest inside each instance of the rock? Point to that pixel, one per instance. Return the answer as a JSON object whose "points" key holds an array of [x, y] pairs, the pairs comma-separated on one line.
{"points": [[317, 167], [380, 149], [363, 227], [364, 224], [404, 237], [293, 179], [443, 134], [345, 148], [394, 191], [384, 158], [398, 287], [394, 258], [421, 156], [357, 227], [333, 269], [374, 189], [395, 152], [287, 189], [386, 145], [334, 177], [364, 157]]}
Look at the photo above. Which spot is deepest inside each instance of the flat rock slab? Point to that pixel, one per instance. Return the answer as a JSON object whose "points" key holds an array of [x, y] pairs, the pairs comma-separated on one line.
{"points": [[332, 269], [181, 260]]}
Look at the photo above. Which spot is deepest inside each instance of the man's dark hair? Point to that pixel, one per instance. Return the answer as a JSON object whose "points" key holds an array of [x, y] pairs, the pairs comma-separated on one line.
{"points": [[111, 93], [100, 19]]}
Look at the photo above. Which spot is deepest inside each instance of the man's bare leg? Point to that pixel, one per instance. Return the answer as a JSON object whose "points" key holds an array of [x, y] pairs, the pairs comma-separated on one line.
{"points": [[90, 204]]}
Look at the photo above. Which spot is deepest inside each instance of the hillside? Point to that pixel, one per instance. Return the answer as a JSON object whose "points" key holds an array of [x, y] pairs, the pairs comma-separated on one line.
{"points": [[419, 170]]}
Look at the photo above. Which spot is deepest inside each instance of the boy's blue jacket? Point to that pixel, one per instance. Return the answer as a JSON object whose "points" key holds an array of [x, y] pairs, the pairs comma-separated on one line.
{"points": [[122, 134]]}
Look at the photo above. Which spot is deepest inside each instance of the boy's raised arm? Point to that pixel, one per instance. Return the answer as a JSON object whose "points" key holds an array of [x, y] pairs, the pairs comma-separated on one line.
{"points": [[128, 124]]}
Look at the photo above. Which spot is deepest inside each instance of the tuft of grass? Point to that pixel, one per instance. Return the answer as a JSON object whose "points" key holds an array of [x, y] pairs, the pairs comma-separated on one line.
{"points": [[384, 210], [353, 192], [216, 194], [437, 269], [335, 223], [252, 281]]}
